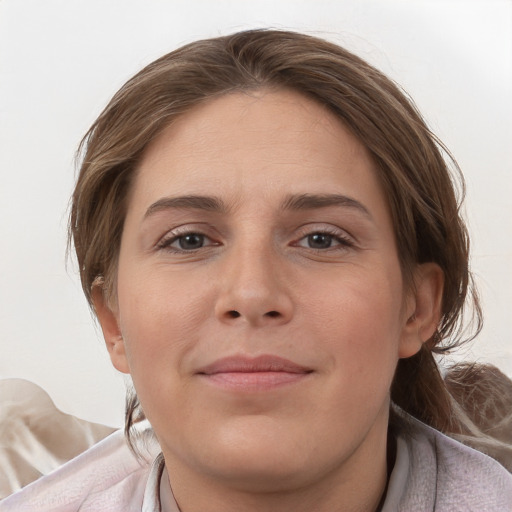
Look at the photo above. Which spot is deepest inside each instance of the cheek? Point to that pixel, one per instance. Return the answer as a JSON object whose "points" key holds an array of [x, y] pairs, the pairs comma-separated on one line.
{"points": [[356, 319], [159, 320], [365, 304], [159, 316]]}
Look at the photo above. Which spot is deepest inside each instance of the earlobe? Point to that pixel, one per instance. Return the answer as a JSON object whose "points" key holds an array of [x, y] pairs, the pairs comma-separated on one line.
{"points": [[424, 311], [109, 323]]}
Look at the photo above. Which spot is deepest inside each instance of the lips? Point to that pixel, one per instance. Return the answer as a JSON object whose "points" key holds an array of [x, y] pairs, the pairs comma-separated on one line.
{"points": [[265, 363], [260, 373]]}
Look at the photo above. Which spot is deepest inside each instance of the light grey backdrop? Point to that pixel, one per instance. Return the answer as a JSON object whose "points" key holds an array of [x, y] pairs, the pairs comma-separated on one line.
{"points": [[60, 61]]}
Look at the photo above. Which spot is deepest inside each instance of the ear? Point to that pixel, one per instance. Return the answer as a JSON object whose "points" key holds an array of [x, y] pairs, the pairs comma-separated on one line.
{"points": [[423, 309], [109, 322]]}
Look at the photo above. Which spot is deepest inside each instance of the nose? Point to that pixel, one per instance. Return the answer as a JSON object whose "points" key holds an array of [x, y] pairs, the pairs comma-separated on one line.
{"points": [[254, 290]]}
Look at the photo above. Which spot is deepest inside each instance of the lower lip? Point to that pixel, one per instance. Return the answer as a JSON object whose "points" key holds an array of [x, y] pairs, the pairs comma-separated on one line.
{"points": [[254, 381]]}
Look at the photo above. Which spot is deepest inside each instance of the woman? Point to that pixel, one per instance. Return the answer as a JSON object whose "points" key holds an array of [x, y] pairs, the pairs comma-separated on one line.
{"points": [[270, 239]]}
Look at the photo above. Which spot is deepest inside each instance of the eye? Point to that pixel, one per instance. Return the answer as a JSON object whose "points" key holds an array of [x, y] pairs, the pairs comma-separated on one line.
{"points": [[190, 241], [321, 240], [186, 242]]}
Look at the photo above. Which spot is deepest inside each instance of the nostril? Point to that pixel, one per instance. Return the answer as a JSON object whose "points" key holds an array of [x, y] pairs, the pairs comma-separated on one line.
{"points": [[273, 314], [233, 314]]}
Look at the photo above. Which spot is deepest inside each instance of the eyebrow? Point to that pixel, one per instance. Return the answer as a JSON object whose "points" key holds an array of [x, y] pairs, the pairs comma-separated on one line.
{"points": [[206, 203], [293, 202], [314, 201]]}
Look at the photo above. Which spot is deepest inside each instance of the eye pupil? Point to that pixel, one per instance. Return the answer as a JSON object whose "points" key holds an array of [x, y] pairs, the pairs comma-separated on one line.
{"points": [[191, 241], [319, 241]]}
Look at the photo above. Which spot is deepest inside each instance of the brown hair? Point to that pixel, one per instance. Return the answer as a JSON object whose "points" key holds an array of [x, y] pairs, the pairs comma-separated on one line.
{"points": [[418, 184]]}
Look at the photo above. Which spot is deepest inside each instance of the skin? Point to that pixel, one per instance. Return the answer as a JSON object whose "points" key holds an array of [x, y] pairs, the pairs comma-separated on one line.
{"points": [[266, 274]]}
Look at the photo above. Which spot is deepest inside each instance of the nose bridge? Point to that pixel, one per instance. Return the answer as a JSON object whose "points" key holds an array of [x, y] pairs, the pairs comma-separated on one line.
{"points": [[254, 286]]}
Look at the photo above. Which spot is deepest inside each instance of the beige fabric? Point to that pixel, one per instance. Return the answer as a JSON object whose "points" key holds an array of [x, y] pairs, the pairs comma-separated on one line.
{"points": [[35, 436]]}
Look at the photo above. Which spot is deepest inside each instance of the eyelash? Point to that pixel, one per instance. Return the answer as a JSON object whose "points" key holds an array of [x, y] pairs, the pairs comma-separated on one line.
{"points": [[343, 241], [166, 242]]}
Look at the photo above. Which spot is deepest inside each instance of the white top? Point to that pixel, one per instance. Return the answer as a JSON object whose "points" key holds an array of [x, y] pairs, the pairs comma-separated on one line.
{"points": [[432, 473]]}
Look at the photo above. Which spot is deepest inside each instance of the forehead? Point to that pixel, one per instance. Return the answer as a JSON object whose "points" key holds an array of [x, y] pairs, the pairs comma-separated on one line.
{"points": [[263, 142]]}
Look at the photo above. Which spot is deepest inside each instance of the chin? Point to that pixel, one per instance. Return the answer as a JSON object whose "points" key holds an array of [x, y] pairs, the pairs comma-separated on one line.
{"points": [[263, 456], [266, 475]]}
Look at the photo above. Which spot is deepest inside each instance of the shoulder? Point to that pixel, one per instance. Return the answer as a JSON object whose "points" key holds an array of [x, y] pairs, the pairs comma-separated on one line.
{"points": [[107, 477], [470, 480], [461, 478]]}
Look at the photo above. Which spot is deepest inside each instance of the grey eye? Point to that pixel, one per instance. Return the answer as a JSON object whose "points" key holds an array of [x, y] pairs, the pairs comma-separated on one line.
{"points": [[191, 241], [319, 241]]}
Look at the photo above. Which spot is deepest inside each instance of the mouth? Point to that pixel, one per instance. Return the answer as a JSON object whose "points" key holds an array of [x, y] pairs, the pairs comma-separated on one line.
{"points": [[253, 373]]}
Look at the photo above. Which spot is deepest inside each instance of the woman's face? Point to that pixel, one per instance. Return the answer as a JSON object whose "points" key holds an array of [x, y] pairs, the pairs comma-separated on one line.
{"points": [[260, 303]]}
